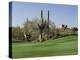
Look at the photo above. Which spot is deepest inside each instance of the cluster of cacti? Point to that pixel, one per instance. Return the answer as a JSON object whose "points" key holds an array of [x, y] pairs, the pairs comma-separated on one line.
{"points": [[45, 24]]}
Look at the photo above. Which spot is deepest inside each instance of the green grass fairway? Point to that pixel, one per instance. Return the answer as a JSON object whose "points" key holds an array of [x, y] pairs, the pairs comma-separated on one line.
{"points": [[57, 47]]}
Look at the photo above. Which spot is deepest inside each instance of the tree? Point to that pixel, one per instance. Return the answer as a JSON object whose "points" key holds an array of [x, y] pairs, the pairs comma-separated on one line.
{"points": [[31, 30], [27, 30], [75, 29], [17, 33], [64, 26]]}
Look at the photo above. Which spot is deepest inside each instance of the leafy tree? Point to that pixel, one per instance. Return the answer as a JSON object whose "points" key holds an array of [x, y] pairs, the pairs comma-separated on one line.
{"points": [[75, 29], [27, 29], [31, 29]]}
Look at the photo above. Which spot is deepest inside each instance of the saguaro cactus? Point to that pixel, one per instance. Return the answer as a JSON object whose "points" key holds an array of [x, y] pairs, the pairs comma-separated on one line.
{"points": [[48, 23], [43, 26]]}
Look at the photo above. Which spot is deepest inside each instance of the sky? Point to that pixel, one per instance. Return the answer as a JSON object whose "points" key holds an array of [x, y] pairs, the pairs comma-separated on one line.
{"points": [[59, 14]]}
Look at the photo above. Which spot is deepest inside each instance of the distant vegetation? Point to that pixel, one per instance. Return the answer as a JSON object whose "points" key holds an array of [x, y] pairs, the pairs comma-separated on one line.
{"points": [[39, 30]]}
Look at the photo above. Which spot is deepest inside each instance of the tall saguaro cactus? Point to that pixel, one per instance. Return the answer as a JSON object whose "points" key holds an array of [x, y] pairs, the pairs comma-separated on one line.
{"points": [[48, 23], [42, 16], [41, 30], [43, 26]]}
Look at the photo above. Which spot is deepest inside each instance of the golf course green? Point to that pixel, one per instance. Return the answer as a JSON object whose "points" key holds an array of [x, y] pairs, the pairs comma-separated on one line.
{"points": [[57, 47]]}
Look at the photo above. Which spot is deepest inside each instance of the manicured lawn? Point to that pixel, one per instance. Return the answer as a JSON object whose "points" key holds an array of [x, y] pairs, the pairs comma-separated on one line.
{"points": [[57, 47]]}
